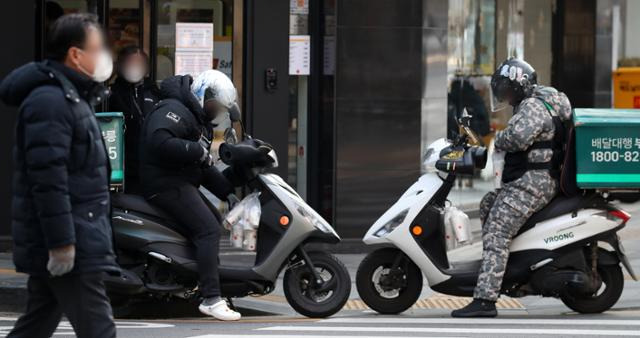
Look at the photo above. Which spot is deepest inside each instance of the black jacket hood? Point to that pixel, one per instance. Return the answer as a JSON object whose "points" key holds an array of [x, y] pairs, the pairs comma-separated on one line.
{"points": [[178, 87], [21, 81]]}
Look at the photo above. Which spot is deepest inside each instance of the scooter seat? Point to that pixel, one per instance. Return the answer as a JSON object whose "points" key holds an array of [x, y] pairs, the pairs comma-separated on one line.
{"points": [[139, 204], [558, 206]]}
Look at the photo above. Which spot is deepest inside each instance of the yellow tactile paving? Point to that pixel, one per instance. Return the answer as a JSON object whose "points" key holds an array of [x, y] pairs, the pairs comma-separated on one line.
{"points": [[437, 301]]}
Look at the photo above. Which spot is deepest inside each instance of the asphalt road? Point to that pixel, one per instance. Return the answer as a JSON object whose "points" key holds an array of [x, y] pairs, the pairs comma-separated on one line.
{"points": [[415, 324], [525, 317]]}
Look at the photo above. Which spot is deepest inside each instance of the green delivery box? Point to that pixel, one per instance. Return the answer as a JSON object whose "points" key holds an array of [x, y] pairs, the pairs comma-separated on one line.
{"points": [[607, 148], [112, 127]]}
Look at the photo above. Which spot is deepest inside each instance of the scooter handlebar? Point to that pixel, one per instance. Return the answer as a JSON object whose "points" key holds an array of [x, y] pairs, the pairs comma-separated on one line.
{"points": [[251, 153]]}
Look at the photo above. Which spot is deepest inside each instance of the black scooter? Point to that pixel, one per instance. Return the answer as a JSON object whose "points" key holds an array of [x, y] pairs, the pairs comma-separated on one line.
{"points": [[158, 262]]}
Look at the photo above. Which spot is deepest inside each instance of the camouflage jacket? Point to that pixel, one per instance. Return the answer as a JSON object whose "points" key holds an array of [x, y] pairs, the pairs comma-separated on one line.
{"points": [[532, 122]]}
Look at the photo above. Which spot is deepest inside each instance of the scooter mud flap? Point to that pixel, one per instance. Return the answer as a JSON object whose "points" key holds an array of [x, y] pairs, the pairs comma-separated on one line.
{"points": [[617, 244]]}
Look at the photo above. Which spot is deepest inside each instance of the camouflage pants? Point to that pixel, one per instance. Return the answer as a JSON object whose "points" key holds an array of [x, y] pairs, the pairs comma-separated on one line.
{"points": [[503, 213]]}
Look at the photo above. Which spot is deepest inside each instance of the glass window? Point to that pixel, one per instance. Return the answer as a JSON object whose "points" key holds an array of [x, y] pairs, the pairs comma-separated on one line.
{"points": [[482, 33], [124, 24], [57, 8], [471, 63], [218, 13], [298, 97]]}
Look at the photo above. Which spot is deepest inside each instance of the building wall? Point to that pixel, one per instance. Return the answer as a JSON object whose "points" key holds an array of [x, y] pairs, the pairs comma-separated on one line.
{"points": [[537, 37], [267, 47], [390, 77], [574, 51], [603, 53], [632, 27], [17, 29]]}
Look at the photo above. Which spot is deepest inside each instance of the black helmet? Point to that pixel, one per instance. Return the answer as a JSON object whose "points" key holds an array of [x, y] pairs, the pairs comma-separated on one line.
{"points": [[514, 80]]}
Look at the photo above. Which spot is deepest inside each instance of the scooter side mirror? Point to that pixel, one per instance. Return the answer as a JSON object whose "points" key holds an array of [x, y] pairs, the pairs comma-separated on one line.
{"points": [[234, 113], [236, 117]]}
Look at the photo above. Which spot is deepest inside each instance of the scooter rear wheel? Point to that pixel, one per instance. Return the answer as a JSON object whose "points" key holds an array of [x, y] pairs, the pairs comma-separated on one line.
{"points": [[609, 293], [311, 301], [387, 290]]}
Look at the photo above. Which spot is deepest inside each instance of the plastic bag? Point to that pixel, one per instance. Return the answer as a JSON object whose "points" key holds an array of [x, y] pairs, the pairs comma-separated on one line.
{"points": [[243, 221], [498, 166], [458, 223]]}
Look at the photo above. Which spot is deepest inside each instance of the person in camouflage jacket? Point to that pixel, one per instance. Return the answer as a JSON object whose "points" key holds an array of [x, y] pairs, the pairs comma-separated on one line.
{"points": [[505, 211]]}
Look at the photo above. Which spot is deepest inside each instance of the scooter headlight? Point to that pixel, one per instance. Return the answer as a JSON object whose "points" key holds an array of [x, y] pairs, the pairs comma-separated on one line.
{"points": [[392, 224], [316, 220]]}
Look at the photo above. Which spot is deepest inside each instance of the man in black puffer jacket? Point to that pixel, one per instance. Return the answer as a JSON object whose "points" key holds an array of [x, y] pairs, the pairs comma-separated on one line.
{"points": [[175, 160], [61, 224]]}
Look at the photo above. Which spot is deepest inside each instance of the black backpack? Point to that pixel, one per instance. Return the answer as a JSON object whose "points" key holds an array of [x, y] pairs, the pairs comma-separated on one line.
{"points": [[568, 170]]}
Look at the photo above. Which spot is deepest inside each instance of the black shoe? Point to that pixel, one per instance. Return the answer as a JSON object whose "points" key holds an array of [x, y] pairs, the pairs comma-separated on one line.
{"points": [[477, 308]]}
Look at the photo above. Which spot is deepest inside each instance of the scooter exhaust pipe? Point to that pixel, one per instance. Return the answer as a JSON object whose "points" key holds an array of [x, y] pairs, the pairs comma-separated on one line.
{"points": [[554, 283]]}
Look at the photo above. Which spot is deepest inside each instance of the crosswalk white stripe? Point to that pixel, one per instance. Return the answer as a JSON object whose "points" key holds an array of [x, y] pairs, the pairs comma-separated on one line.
{"points": [[281, 336], [498, 321], [119, 324], [476, 330]]}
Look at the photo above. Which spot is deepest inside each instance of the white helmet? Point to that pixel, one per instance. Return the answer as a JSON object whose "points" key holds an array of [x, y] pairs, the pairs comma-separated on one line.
{"points": [[214, 85]]}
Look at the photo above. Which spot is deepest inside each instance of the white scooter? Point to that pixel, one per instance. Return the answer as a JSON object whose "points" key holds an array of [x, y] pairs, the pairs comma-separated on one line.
{"points": [[569, 249]]}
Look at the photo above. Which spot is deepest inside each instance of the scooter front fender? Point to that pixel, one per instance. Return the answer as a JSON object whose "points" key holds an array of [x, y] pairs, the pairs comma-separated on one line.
{"points": [[413, 201]]}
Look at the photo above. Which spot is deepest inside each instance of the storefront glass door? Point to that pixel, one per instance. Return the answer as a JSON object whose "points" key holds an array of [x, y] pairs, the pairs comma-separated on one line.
{"points": [[124, 24], [299, 72], [179, 19], [122, 18]]}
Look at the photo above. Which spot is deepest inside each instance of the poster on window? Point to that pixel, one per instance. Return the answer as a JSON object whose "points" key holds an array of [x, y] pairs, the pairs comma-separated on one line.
{"points": [[299, 7], [194, 48], [299, 55], [194, 36], [193, 63]]}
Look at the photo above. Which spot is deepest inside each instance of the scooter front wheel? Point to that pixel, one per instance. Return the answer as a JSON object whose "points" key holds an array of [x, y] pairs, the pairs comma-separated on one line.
{"points": [[315, 300], [388, 281]]}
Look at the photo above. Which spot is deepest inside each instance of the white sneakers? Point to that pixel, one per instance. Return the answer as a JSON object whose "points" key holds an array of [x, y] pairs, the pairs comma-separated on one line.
{"points": [[219, 310]]}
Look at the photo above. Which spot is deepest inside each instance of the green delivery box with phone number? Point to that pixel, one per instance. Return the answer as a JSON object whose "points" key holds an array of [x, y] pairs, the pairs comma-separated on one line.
{"points": [[607, 148]]}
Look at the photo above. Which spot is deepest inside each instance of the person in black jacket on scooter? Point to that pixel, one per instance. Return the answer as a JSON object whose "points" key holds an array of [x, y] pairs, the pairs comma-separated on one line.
{"points": [[175, 160]]}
